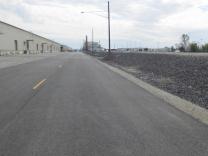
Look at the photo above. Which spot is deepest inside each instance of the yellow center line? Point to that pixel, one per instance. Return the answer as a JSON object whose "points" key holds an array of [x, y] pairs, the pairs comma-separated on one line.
{"points": [[39, 84]]}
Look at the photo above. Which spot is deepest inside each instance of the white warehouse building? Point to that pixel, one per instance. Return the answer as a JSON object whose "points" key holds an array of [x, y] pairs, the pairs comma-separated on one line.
{"points": [[14, 40]]}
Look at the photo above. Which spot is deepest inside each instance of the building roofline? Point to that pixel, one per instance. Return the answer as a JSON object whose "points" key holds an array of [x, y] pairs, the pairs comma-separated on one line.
{"points": [[29, 32]]}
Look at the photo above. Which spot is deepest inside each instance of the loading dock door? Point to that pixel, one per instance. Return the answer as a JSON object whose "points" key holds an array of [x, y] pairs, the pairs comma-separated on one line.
{"points": [[15, 45], [42, 48], [28, 45]]}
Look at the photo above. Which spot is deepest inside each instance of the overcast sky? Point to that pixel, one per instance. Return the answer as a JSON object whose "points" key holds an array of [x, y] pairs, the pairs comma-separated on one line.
{"points": [[140, 23]]}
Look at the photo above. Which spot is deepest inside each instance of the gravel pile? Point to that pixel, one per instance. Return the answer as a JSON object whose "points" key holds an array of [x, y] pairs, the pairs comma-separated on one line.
{"points": [[184, 76]]}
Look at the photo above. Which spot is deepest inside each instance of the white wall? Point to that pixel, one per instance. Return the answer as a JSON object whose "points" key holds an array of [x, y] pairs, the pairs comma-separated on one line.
{"points": [[8, 35]]}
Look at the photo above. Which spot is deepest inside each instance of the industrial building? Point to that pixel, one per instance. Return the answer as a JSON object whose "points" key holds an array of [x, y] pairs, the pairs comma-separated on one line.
{"points": [[14, 40], [65, 48], [93, 46]]}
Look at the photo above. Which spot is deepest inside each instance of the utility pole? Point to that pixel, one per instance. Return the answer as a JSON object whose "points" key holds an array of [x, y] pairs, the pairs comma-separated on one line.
{"points": [[92, 39], [109, 27], [86, 44], [109, 31]]}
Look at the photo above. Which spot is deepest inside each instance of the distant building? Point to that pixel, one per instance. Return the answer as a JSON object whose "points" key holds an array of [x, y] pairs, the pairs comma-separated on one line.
{"points": [[165, 49], [134, 50], [14, 40], [65, 48], [93, 46]]}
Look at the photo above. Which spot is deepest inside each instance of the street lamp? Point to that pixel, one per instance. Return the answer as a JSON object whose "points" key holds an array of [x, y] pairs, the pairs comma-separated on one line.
{"points": [[92, 40], [109, 31], [109, 26]]}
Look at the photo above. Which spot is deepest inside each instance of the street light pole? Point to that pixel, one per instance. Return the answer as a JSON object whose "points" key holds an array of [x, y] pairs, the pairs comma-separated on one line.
{"points": [[86, 44], [109, 26], [92, 40], [109, 31]]}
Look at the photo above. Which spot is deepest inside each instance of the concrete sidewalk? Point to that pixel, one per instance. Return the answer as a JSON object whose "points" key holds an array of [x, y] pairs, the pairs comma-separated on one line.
{"points": [[8, 61]]}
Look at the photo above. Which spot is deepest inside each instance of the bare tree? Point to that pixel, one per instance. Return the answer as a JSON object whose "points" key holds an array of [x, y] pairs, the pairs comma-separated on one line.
{"points": [[185, 41]]}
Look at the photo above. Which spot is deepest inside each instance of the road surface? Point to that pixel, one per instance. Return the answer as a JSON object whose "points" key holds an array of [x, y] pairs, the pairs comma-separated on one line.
{"points": [[71, 105]]}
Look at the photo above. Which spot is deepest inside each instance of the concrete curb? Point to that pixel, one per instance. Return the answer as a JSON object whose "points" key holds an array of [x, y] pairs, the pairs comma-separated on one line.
{"points": [[192, 109]]}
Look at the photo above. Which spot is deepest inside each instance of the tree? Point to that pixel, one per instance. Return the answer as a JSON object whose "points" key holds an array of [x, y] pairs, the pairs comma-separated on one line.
{"points": [[194, 47], [180, 47], [205, 48], [172, 49], [185, 42]]}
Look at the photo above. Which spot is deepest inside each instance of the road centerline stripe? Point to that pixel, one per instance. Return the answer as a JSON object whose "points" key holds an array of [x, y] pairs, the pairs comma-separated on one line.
{"points": [[39, 84]]}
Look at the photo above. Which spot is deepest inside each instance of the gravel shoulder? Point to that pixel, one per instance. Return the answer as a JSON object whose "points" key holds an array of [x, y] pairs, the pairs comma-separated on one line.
{"points": [[184, 75]]}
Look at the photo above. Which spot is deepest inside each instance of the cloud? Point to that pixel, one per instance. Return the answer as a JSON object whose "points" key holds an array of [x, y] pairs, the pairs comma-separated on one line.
{"points": [[144, 22]]}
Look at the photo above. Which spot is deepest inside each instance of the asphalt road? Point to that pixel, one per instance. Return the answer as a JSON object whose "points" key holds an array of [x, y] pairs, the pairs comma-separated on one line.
{"points": [[70, 105]]}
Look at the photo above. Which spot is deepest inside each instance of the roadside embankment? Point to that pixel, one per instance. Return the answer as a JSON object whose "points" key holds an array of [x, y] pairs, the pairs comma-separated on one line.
{"points": [[185, 76]]}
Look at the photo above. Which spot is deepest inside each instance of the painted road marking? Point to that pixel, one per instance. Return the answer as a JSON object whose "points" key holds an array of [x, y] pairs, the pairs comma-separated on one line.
{"points": [[39, 84]]}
